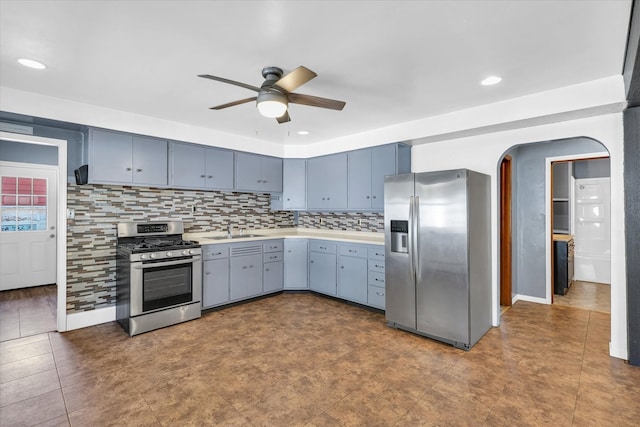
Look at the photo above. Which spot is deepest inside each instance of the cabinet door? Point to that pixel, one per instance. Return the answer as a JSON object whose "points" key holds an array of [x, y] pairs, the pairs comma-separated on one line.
{"points": [[383, 163], [187, 165], [271, 175], [149, 161], [327, 182], [295, 264], [248, 172], [273, 276], [294, 183], [111, 157], [322, 272], [352, 279], [359, 179], [219, 169], [215, 282], [246, 276]]}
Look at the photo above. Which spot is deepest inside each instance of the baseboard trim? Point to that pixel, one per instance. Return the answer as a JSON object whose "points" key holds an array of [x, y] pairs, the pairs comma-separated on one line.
{"points": [[537, 300], [618, 352], [84, 319]]}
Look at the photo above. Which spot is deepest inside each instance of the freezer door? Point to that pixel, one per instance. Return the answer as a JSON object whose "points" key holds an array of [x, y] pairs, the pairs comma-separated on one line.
{"points": [[400, 292], [442, 292]]}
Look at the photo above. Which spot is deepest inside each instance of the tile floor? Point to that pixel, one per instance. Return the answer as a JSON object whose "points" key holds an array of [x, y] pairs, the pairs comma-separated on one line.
{"points": [[587, 295], [26, 312], [302, 359]]}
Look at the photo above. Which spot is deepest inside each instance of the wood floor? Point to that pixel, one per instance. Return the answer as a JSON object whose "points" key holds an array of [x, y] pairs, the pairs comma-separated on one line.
{"points": [[26, 312], [587, 295], [301, 359]]}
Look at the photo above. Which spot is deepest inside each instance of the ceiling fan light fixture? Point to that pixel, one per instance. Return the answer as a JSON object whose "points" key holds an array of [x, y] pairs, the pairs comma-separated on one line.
{"points": [[271, 104]]}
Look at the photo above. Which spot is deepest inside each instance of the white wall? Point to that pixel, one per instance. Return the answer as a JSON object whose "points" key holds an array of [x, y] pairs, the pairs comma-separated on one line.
{"points": [[483, 154]]}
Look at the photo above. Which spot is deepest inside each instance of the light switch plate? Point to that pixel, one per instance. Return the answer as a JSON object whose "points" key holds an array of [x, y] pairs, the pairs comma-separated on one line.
{"points": [[71, 213]]}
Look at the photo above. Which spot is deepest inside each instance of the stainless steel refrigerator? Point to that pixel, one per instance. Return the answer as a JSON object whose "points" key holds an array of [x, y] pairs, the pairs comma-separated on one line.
{"points": [[438, 255]]}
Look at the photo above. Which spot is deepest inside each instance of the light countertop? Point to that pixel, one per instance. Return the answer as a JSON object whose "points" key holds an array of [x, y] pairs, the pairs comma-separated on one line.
{"points": [[563, 237], [366, 237]]}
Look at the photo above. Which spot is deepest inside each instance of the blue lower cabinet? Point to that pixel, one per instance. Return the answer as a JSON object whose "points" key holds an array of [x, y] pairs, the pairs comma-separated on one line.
{"points": [[352, 279], [245, 276], [273, 276], [215, 282], [296, 263], [322, 272]]}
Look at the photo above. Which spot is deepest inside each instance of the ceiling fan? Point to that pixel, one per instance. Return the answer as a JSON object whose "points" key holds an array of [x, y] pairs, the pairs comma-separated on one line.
{"points": [[277, 92]]}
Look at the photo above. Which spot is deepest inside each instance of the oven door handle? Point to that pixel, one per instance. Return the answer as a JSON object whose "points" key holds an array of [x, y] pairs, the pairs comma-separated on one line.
{"points": [[191, 260]]}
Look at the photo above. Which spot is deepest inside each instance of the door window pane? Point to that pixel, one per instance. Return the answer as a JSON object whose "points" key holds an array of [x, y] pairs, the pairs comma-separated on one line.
{"points": [[24, 204]]}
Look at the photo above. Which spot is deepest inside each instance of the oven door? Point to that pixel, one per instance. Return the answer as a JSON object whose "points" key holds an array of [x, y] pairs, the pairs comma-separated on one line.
{"points": [[157, 285]]}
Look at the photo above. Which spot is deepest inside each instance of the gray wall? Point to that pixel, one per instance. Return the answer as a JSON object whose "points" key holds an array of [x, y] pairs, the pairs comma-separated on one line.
{"points": [[28, 153], [594, 168], [75, 140], [632, 227], [530, 213]]}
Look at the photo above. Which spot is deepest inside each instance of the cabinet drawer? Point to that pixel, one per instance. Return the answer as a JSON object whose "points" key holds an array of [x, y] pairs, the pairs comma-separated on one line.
{"points": [[325, 247], [273, 246], [214, 252], [376, 252], [376, 265], [376, 279], [375, 296], [355, 251], [273, 257]]}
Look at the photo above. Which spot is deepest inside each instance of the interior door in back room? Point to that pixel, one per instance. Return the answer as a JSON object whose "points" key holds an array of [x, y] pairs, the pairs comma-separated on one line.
{"points": [[27, 225]]}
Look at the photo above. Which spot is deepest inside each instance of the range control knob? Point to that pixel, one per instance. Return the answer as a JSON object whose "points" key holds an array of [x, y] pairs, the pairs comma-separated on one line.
{"points": [[185, 252], [191, 251], [169, 254], [143, 256], [152, 256]]}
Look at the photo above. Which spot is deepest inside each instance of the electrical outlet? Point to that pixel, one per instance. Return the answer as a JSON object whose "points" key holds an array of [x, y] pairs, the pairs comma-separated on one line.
{"points": [[359, 221], [193, 208], [320, 220]]}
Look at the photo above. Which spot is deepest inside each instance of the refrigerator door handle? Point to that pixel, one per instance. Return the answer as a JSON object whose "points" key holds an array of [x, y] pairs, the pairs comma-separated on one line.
{"points": [[412, 271], [416, 238]]}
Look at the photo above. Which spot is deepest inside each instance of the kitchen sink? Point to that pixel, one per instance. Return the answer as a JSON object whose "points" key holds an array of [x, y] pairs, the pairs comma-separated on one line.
{"points": [[234, 236]]}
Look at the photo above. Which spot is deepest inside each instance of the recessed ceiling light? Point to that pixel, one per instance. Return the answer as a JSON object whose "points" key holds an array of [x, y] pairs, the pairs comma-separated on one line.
{"points": [[32, 64], [303, 132], [491, 80]]}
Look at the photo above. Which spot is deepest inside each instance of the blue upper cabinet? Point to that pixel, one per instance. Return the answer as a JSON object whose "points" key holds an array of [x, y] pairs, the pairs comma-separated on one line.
{"points": [[327, 182], [294, 184], [258, 173], [196, 166], [367, 169], [122, 158]]}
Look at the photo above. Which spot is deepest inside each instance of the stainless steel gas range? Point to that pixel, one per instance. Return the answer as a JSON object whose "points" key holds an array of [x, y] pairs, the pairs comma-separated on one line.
{"points": [[158, 276]]}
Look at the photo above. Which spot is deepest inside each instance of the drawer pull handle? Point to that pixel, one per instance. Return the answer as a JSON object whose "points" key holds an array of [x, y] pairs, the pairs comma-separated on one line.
{"points": [[208, 272], [244, 267], [203, 176], [266, 269], [138, 170], [273, 257], [342, 266], [379, 280], [379, 266], [380, 294]]}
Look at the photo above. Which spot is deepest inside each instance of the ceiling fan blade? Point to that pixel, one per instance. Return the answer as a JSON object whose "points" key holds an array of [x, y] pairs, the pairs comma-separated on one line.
{"points": [[316, 101], [231, 82], [284, 118], [295, 79], [231, 104]]}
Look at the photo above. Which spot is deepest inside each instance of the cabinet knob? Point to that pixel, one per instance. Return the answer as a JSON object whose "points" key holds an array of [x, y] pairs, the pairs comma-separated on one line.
{"points": [[323, 198], [374, 197], [251, 266], [138, 170], [288, 199], [380, 294], [259, 180], [342, 266], [378, 280], [203, 176], [311, 262], [266, 269], [207, 272], [264, 182], [244, 267], [289, 251], [210, 176], [368, 197], [127, 169]]}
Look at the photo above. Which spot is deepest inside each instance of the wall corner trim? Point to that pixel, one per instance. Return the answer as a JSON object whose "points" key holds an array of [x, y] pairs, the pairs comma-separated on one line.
{"points": [[84, 319]]}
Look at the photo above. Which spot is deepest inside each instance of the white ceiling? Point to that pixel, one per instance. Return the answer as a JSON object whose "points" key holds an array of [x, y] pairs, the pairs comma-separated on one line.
{"points": [[391, 61]]}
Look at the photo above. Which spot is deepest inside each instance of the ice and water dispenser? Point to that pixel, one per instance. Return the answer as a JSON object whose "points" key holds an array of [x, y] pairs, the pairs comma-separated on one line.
{"points": [[399, 235]]}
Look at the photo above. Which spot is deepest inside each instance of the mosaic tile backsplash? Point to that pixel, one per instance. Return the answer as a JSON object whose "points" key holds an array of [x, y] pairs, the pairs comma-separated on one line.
{"points": [[91, 236], [369, 221]]}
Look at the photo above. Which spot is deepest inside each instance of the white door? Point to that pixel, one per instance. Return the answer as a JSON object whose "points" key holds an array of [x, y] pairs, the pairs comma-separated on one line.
{"points": [[592, 230], [27, 226]]}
